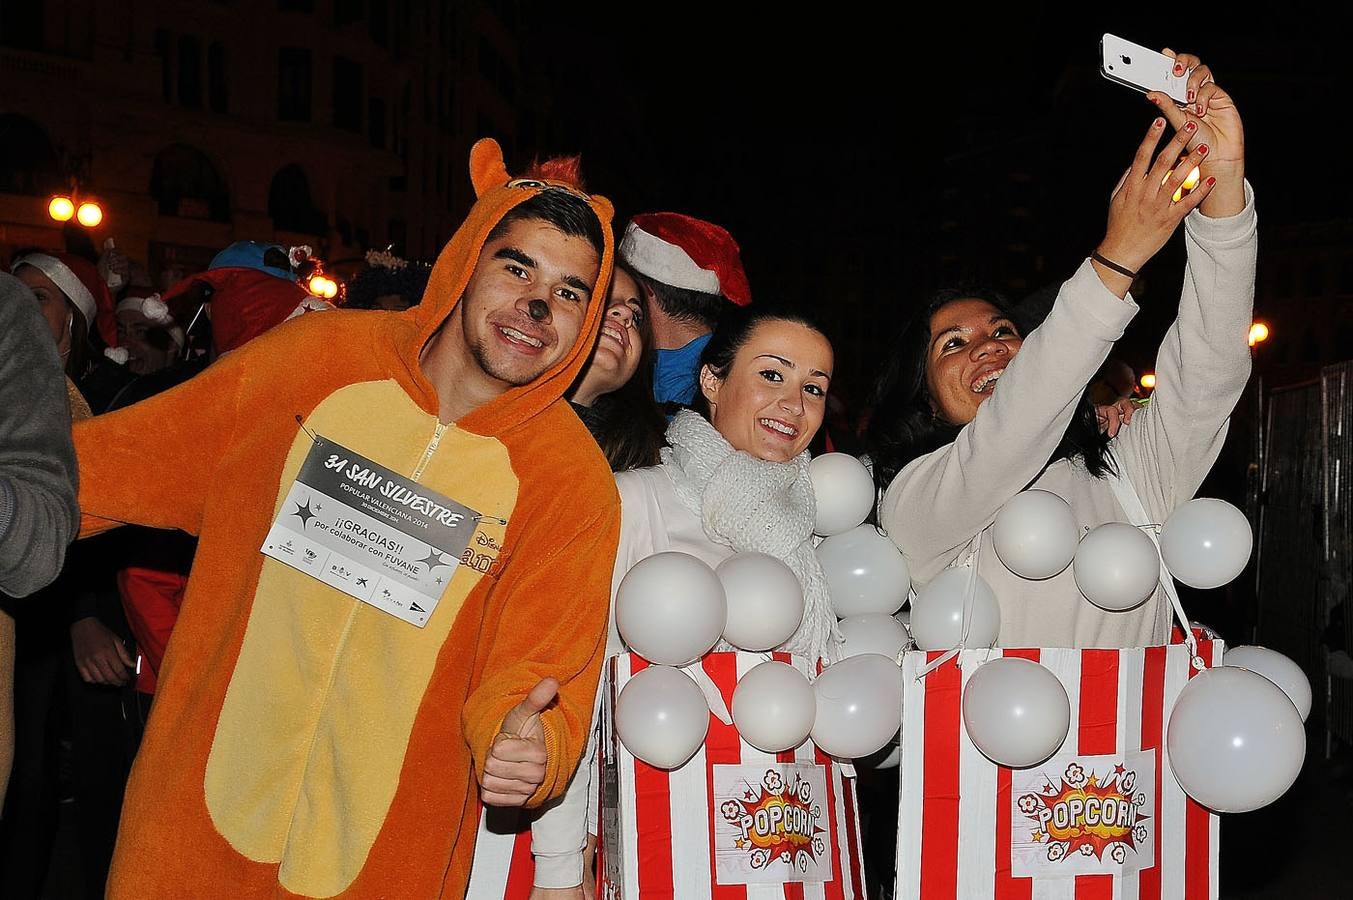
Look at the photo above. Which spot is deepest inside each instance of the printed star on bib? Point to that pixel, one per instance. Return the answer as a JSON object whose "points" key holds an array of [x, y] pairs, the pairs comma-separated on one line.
{"points": [[433, 559], [304, 514]]}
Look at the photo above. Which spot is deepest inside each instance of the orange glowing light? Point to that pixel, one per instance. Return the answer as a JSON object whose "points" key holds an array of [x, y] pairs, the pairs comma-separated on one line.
{"points": [[61, 209], [1258, 333], [1149, 380], [1189, 184], [89, 214], [323, 286]]}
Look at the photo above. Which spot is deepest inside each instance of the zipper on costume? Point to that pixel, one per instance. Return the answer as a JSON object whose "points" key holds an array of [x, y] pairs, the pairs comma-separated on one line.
{"points": [[431, 449]]}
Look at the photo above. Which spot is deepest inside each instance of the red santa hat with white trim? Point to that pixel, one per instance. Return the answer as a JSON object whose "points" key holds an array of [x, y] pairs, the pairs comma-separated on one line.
{"points": [[80, 281], [157, 312], [686, 252]]}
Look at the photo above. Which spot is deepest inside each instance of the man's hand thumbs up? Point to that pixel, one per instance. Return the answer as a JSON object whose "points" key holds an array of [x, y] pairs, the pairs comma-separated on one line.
{"points": [[515, 768]]}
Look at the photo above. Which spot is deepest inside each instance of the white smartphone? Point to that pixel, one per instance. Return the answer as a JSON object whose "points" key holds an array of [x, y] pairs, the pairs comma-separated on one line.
{"points": [[1141, 69]]}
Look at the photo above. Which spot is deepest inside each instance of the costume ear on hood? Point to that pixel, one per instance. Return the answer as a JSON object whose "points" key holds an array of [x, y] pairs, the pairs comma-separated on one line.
{"points": [[487, 168], [497, 194]]}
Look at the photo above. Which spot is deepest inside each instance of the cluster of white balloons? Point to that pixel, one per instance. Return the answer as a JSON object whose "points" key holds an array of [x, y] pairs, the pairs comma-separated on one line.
{"points": [[1235, 737], [1205, 544], [859, 698], [672, 609]]}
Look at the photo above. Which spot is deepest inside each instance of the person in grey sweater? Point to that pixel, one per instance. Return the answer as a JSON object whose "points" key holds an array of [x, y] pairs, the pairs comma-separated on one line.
{"points": [[38, 515], [985, 410]]}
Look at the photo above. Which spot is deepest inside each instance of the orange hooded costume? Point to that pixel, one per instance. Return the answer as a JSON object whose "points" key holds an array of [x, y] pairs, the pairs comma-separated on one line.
{"points": [[306, 744]]}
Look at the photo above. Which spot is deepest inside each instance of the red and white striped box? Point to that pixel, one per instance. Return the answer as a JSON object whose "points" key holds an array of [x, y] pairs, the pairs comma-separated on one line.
{"points": [[733, 823], [1104, 819], [503, 867]]}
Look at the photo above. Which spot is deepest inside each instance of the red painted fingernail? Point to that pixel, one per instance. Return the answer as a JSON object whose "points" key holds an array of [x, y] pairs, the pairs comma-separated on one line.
{"points": [[1190, 126], [1190, 97], [1202, 149], [1212, 179], [1200, 109], [1179, 68]]}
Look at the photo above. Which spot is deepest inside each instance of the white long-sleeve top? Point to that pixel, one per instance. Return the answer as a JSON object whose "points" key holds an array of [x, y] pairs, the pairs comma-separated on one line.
{"points": [[939, 502], [652, 520]]}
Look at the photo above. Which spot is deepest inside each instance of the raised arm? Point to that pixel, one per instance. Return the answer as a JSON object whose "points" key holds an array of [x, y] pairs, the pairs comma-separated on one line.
{"points": [[1204, 361], [938, 502]]}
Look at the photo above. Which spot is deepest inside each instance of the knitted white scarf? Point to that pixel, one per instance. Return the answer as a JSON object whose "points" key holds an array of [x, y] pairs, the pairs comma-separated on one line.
{"points": [[753, 505]]}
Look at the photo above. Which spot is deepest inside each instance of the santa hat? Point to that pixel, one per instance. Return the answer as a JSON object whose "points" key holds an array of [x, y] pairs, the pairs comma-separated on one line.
{"points": [[80, 281], [245, 302], [687, 253], [156, 311]]}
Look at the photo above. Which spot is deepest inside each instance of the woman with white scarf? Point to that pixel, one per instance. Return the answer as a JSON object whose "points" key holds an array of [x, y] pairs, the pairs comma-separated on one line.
{"points": [[734, 479]]}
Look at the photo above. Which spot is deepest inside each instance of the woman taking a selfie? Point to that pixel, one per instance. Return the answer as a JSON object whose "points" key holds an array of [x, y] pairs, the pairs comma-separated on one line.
{"points": [[975, 411]]}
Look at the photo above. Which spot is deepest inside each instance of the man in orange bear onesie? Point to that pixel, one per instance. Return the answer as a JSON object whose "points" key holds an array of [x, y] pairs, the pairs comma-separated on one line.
{"points": [[305, 743]]}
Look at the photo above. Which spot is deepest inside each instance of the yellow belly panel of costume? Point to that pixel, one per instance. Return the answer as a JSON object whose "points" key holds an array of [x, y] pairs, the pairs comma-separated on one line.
{"points": [[312, 736]]}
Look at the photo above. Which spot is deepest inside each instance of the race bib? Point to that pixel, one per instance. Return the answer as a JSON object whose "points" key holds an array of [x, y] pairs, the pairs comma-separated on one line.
{"points": [[370, 532]]}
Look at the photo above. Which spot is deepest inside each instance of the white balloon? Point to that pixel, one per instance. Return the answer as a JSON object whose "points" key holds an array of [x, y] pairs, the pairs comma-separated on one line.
{"points": [[1206, 543], [1235, 740], [859, 706], [670, 608], [765, 600], [844, 490], [865, 572], [1117, 566], [774, 707], [937, 612], [1035, 534], [1278, 669], [662, 717], [873, 633], [1016, 712]]}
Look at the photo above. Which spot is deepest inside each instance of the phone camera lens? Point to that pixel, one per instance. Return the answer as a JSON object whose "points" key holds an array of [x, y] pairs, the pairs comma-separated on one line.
{"points": [[1127, 60]]}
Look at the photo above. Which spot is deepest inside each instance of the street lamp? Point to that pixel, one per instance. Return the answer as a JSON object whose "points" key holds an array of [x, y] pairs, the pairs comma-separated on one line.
{"points": [[1149, 380], [1258, 333], [89, 214], [61, 209]]}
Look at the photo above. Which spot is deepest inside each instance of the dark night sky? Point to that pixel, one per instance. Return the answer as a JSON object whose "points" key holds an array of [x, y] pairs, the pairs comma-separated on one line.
{"points": [[808, 137]]}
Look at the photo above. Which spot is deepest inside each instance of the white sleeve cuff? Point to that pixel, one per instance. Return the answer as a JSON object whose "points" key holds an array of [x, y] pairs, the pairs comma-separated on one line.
{"points": [[1226, 230], [559, 870]]}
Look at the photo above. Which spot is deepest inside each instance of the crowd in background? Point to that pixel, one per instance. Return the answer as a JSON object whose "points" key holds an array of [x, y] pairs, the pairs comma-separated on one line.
{"points": [[88, 648]]}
